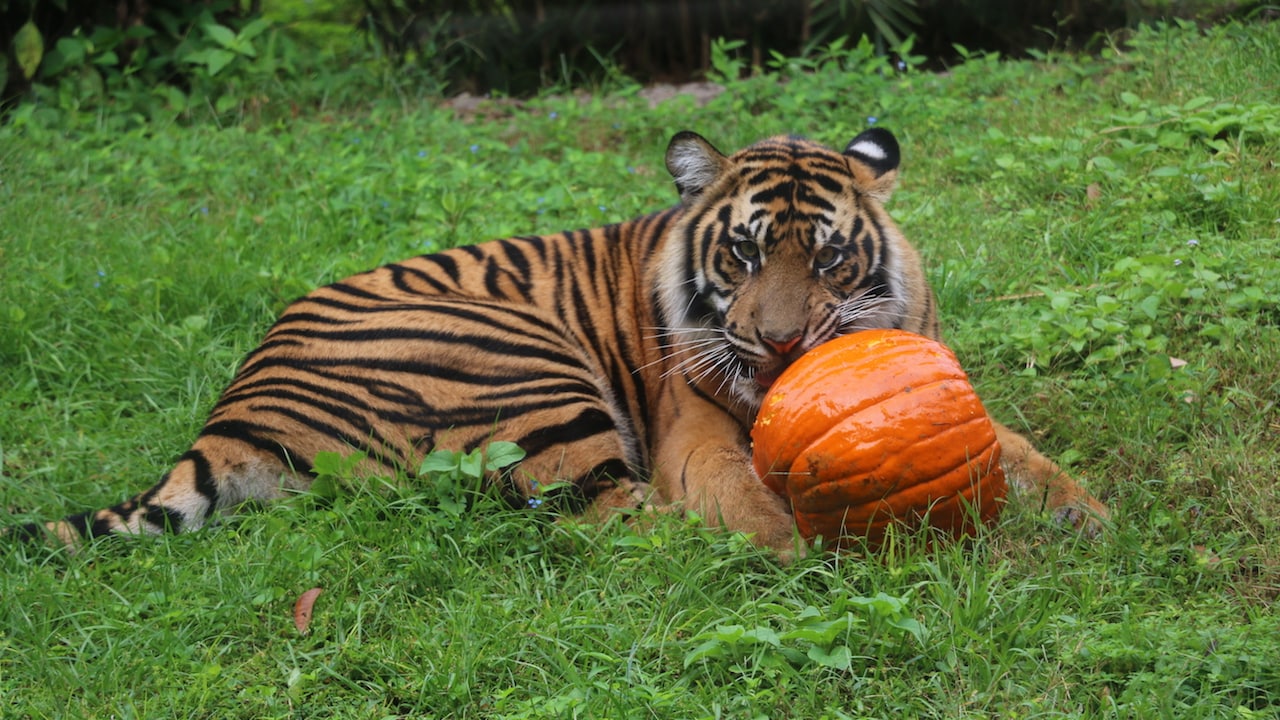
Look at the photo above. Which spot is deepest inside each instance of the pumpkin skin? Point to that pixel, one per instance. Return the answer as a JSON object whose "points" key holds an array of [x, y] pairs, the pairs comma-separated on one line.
{"points": [[878, 427]]}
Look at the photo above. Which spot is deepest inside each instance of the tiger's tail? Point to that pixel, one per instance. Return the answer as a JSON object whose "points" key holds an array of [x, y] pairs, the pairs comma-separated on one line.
{"points": [[217, 472]]}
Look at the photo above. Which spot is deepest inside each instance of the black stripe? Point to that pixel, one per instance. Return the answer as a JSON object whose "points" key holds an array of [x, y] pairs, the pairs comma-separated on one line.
{"points": [[561, 386], [166, 519], [264, 349], [508, 348], [345, 289], [204, 482], [363, 441], [446, 263], [317, 318], [27, 533], [591, 421], [88, 525], [248, 433], [275, 387], [399, 273], [479, 311]]}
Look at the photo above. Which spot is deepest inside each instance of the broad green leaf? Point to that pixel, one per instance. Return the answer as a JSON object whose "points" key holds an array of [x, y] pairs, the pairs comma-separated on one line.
{"points": [[221, 34], [822, 633], [454, 505], [439, 462], [28, 49], [254, 29], [882, 605], [838, 658], [1197, 102], [708, 649], [326, 486], [763, 636], [226, 103], [471, 465], [1150, 306], [635, 541], [911, 626], [502, 453], [724, 633], [218, 59]]}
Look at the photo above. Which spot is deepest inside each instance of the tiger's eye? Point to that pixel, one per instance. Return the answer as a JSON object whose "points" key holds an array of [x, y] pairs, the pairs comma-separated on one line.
{"points": [[826, 257], [746, 250]]}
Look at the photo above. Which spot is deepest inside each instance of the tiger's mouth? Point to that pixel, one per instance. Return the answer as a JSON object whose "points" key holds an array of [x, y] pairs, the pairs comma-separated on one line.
{"points": [[776, 364], [766, 378], [767, 375]]}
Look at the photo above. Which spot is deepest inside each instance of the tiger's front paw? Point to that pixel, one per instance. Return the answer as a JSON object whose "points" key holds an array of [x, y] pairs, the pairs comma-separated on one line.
{"points": [[625, 495], [1087, 515], [777, 534]]}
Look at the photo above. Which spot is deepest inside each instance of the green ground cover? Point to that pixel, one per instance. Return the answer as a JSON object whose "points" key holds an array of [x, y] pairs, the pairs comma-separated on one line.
{"points": [[1085, 220]]}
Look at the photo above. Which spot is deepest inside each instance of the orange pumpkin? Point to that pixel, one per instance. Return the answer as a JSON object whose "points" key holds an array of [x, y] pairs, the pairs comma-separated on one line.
{"points": [[877, 427]]}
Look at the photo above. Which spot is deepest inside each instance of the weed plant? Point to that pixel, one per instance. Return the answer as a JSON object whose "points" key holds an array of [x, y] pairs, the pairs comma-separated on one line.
{"points": [[1103, 234]]}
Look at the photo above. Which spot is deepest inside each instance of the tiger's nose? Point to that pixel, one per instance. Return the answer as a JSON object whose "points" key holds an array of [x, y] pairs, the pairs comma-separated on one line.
{"points": [[782, 347]]}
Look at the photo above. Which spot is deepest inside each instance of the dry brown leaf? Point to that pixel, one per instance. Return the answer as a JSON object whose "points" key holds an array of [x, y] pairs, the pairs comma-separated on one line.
{"points": [[1092, 194], [1206, 556], [302, 609]]}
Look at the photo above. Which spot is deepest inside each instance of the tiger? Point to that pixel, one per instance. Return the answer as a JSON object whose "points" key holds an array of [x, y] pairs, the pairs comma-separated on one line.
{"points": [[627, 361]]}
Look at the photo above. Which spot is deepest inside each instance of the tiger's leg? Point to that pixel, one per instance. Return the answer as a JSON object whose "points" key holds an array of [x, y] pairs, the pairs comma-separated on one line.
{"points": [[1040, 480], [702, 462]]}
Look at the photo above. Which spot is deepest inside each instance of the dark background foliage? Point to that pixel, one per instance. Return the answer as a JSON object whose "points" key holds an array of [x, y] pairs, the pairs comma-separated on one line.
{"points": [[93, 49]]}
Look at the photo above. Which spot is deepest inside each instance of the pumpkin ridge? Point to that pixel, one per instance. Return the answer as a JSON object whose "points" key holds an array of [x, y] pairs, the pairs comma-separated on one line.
{"points": [[951, 509], [898, 363], [836, 421], [964, 475], [906, 488], [866, 447]]}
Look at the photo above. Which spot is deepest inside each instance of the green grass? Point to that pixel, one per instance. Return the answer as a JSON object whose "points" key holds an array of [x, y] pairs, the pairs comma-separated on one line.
{"points": [[1055, 202]]}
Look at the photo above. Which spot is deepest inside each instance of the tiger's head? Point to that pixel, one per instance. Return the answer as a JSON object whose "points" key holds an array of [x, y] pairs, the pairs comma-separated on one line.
{"points": [[780, 247]]}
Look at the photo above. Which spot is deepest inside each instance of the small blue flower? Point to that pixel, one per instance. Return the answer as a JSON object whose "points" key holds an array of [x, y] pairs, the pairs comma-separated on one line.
{"points": [[422, 153], [603, 208], [1176, 262], [535, 502], [617, 126], [475, 149], [631, 170], [553, 114], [902, 65], [872, 119], [385, 204], [204, 210], [355, 140], [1193, 242]]}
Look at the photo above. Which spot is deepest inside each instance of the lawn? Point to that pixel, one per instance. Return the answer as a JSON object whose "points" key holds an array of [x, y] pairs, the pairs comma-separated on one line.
{"points": [[1103, 234]]}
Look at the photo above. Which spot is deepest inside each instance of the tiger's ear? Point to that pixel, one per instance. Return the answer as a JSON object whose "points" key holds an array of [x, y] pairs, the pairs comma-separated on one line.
{"points": [[694, 163], [875, 159]]}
